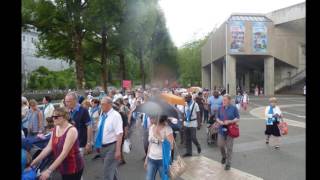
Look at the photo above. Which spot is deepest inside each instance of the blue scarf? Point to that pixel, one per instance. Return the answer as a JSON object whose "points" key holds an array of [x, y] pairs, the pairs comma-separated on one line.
{"points": [[188, 113], [98, 143], [166, 158], [145, 121], [269, 121]]}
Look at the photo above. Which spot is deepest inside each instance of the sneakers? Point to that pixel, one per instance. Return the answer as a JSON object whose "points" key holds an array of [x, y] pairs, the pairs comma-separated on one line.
{"points": [[227, 167], [223, 160], [187, 155], [96, 157], [199, 150], [276, 147]]}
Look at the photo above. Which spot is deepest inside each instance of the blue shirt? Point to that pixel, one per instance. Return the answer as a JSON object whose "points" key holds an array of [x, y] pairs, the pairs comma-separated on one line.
{"points": [[80, 116], [231, 112], [215, 103]]}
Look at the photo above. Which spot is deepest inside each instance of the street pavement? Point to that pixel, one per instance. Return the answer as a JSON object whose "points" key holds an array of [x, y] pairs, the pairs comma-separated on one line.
{"points": [[251, 154]]}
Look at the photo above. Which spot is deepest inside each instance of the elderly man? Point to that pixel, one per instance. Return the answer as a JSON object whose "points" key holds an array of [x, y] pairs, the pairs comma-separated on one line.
{"points": [[227, 114], [109, 138], [81, 120]]}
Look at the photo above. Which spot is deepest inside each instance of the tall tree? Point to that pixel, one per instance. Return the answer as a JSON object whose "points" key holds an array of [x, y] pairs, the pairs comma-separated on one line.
{"points": [[103, 18], [143, 16], [61, 27]]}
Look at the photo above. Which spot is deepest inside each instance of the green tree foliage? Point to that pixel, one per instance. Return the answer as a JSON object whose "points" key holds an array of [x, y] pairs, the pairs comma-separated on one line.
{"points": [[42, 78], [61, 27], [123, 39], [189, 60]]}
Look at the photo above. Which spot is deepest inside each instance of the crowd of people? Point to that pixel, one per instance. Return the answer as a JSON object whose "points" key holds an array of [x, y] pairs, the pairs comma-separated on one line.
{"points": [[83, 125]]}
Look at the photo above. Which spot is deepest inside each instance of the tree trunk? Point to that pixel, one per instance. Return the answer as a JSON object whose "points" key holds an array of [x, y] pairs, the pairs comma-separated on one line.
{"points": [[104, 59], [143, 78], [122, 66], [79, 63]]}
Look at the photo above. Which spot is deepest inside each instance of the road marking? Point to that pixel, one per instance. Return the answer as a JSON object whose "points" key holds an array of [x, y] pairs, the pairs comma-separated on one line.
{"points": [[260, 144], [259, 112], [211, 169], [297, 115]]}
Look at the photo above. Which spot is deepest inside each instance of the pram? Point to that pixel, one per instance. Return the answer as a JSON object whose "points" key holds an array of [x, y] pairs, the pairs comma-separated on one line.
{"points": [[35, 145], [211, 135]]}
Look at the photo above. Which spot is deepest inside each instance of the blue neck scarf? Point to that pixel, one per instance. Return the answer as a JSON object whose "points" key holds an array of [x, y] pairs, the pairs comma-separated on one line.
{"points": [[166, 158], [188, 113], [98, 143], [145, 121], [270, 120]]}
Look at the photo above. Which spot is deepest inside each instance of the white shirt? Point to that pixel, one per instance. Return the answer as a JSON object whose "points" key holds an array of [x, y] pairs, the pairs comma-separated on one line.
{"points": [[276, 110], [155, 145], [196, 109], [48, 111], [112, 127]]}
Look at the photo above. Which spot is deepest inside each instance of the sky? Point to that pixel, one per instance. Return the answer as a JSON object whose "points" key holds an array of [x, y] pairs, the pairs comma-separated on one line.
{"points": [[188, 20]]}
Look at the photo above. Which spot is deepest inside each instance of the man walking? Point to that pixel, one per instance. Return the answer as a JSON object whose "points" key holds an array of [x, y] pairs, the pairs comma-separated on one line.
{"points": [[81, 120], [215, 102], [227, 114], [109, 138], [191, 122]]}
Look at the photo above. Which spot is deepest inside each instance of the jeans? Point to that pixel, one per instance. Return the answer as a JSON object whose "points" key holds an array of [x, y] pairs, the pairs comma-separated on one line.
{"points": [[152, 167]]}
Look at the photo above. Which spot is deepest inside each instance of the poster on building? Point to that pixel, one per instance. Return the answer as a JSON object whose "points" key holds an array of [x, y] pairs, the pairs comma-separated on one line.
{"points": [[237, 29], [259, 39], [126, 84]]}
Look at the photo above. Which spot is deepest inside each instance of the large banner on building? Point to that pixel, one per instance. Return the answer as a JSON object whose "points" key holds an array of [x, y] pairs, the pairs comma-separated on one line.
{"points": [[259, 39], [237, 29]]}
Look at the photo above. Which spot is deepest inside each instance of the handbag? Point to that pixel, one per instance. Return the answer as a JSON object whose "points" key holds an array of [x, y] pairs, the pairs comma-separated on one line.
{"points": [[178, 166], [283, 127], [214, 128], [126, 146], [233, 130]]}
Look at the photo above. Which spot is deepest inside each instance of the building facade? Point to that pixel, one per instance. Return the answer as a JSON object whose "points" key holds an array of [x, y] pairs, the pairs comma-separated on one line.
{"points": [[256, 50], [29, 61]]}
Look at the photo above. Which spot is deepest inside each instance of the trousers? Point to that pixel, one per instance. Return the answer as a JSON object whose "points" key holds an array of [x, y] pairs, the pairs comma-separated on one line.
{"points": [[225, 144], [191, 136]]}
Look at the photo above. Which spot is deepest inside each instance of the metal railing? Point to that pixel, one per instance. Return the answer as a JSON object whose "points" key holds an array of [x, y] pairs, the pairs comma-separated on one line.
{"points": [[292, 80]]}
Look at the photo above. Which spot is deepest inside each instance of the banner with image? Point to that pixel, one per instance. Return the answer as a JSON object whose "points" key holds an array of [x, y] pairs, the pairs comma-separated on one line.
{"points": [[237, 29], [259, 39]]}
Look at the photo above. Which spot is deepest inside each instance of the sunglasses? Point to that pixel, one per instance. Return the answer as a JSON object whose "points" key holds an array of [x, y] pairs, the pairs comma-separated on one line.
{"points": [[55, 117]]}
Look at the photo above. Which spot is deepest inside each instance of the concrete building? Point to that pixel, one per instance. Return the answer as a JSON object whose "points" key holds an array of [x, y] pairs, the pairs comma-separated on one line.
{"points": [[249, 50], [29, 62]]}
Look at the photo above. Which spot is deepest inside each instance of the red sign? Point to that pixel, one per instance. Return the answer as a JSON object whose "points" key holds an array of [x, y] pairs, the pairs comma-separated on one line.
{"points": [[126, 84]]}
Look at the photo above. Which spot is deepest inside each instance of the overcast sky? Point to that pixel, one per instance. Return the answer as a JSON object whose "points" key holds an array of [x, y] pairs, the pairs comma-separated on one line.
{"points": [[192, 19]]}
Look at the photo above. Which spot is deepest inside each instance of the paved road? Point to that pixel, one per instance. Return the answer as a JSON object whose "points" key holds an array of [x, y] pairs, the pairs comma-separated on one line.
{"points": [[251, 154]]}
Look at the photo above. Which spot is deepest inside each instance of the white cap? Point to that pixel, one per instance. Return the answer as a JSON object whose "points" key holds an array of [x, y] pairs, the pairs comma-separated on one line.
{"points": [[24, 99], [125, 97], [116, 97]]}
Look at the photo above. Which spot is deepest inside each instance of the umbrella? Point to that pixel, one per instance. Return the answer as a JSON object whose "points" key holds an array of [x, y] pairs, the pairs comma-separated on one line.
{"points": [[155, 106], [173, 99]]}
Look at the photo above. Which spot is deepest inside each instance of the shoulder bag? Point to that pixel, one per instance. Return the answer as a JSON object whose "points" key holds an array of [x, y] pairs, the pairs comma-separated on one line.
{"points": [[178, 166]]}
